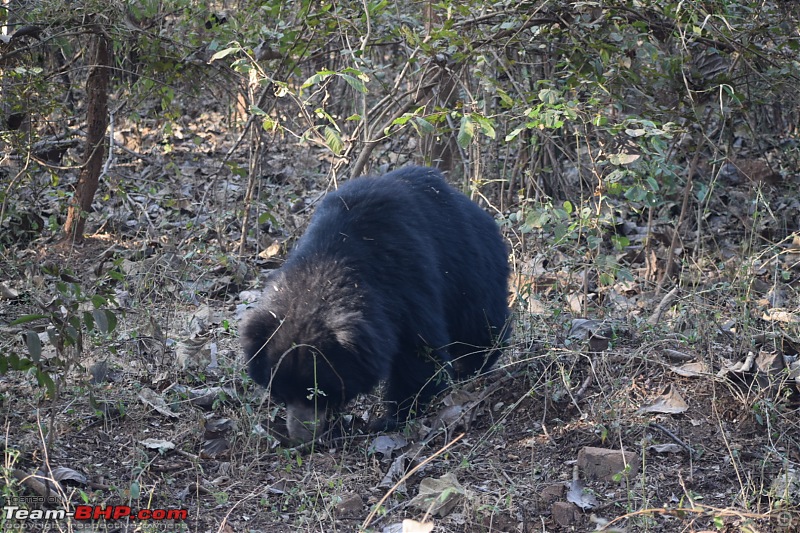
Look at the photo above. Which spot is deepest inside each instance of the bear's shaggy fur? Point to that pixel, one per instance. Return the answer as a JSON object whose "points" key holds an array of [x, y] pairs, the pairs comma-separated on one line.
{"points": [[398, 278]]}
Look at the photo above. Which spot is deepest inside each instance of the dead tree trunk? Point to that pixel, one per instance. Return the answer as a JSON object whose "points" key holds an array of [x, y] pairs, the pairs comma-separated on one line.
{"points": [[96, 125]]}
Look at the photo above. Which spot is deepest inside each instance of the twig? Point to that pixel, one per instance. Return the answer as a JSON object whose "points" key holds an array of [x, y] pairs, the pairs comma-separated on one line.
{"points": [[31, 482], [683, 512], [665, 303], [673, 437], [684, 207]]}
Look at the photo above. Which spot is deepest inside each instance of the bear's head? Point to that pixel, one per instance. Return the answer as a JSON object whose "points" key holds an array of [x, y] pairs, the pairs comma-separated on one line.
{"points": [[313, 352]]}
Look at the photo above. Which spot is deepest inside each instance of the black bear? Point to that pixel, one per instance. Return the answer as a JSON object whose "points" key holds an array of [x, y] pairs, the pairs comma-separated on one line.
{"points": [[399, 279]]}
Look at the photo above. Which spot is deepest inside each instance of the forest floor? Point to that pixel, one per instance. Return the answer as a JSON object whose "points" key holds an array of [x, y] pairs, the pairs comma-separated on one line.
{"points": [[698, 380]]}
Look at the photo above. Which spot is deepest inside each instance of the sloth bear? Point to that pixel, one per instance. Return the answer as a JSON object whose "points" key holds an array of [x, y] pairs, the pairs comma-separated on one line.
{"points": [[399, 279]]}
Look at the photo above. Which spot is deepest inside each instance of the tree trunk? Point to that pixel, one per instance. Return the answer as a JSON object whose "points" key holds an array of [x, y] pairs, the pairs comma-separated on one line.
{"points": [[96, 125]]}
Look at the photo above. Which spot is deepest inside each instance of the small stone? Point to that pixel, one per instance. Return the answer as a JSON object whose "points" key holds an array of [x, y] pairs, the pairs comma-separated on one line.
{"points": [[565, 514], [551, 493], [349, 504], [604, 464]]}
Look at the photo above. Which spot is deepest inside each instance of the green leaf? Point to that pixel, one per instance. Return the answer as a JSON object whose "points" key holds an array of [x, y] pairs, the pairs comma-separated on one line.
{"points": [[357, 73], [88, 319], [466, 132], [333, 140], [635, 132], [71, 335], [34, 345], [52, 336], [101, 319], [620, 241], [318, 77], [505, 99], [15, 362], [242, 66], [266, 216], [552, 118], [355, 83], [485, 124], [321, 113], [701, 191], [111, 320], [27, 318], [549, 96], [269, 124], [622, 158], [224, 53], [423, 126], [45, 380], [513, 135]]}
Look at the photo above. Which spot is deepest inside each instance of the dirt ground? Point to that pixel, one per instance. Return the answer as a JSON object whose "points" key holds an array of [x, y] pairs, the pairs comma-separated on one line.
{"points": [[160, 415]]}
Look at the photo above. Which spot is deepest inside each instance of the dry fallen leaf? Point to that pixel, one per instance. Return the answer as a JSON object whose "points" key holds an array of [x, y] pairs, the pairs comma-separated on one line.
{"points": [[271, 251], [195, 354], [692, 370], [412, 526], [386, 444], [439, 496], [215, 448], [63, 473], [394, 473], [7, 293], [781, 315], [670, 403], [155, 401], [580, 497], [409, 526], [158, 444], [666, 448]]}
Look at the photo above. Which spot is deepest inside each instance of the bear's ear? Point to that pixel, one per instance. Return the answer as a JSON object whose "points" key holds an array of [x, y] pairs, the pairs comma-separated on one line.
{"points": [[256, 329], [345, 325], [364, 340], [274, 283]]}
